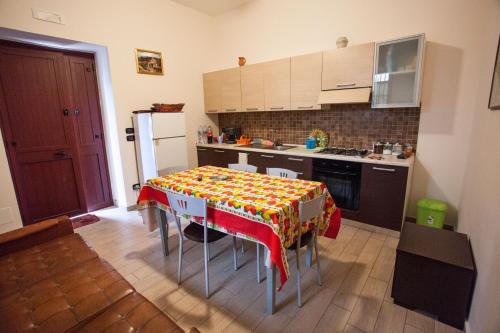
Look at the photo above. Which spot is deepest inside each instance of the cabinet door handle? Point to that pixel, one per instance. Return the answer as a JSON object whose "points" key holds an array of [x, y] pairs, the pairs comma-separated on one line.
{"points": [[202, 149], [296, 159], [230, 109], [300, 173], [219, 151], [267, 156], [252, 109], [213, 110], [305, 107], [384, 169], [277, 108], [350, 84]]}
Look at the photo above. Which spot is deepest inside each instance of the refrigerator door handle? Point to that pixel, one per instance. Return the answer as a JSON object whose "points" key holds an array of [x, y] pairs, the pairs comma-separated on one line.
{"points": [[169, 137]]}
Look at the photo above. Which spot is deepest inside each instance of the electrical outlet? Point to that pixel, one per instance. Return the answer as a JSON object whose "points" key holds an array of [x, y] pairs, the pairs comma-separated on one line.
{"points": [[136, 187], [130, 137]]}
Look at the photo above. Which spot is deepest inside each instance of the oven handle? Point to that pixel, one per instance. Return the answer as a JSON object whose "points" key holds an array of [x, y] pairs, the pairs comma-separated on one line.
{"points": [[323, 172]]}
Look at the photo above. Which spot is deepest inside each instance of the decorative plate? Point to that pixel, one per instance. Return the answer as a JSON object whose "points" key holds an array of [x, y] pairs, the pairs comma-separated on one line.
{"points": [[321, 137]]}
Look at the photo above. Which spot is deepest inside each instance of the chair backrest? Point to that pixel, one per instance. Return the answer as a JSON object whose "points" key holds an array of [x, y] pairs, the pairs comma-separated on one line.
{"points": [[285, 173], [311, 208], [243, 167], [184, 205]]}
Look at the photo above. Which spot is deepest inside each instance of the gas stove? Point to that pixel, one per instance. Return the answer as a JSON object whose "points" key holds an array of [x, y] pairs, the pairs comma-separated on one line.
{"points": [[352, 152]]}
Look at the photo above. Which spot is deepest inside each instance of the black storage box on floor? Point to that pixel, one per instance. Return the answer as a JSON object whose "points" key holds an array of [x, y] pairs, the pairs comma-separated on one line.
{"points": [[434, 272]]}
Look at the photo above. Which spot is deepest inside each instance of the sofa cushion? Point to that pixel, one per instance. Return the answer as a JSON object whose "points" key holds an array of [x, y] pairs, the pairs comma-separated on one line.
{"points": [[21, 269], [63, 300], [132, 314]]}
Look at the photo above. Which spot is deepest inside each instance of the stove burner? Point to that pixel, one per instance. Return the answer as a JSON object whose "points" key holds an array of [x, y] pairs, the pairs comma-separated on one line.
{"points": [[345, 151]]}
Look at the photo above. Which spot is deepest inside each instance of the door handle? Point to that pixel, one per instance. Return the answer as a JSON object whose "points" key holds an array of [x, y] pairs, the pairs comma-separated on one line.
{"points": [[65, 112], [252, 109], [219, 151], [305, 107], [76, 112], [201, 149], [267, 156], [384, 169], [350, 84], [60, 154], [296, 159], [277, 108]]}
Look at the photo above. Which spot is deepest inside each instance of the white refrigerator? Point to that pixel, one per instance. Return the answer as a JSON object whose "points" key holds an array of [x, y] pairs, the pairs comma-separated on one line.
{"points": [[160, 143]]}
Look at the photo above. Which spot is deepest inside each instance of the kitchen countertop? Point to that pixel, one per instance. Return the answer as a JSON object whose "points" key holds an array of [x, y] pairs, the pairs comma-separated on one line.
{"points": [[301, 150]]}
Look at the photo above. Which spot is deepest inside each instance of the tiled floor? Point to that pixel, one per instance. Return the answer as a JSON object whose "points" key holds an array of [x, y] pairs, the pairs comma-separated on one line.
{"points": [[355, 296]]}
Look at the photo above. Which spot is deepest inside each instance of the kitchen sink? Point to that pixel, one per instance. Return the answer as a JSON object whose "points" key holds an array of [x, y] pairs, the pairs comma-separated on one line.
{"points": [[268, 147]]}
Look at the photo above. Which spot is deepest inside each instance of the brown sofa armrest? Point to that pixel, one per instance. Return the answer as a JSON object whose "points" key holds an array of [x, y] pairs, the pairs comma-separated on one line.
{"points": [[193, 330], [34, 234]]}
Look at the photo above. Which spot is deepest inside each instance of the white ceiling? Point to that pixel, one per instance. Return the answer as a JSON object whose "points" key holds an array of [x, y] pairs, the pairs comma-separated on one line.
{"points": [[212, 7]]}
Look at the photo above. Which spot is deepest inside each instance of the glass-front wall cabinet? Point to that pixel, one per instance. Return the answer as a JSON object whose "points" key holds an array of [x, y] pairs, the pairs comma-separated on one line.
{"points": [[398, 72]]}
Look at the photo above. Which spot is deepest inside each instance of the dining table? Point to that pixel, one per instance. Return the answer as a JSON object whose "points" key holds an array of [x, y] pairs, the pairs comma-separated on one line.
{"points": [[251, 206]]}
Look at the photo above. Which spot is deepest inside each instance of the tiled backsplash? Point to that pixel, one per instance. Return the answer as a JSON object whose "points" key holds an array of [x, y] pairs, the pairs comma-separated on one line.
{"points": [[347, 125]]}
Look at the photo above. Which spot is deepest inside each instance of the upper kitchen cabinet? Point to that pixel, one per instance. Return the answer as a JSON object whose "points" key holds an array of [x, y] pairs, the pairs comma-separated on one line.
{"points": [[252, 87], [230, 90], [398, 72], [212, 92], [350, 67], [277, 85], [306, 81]]}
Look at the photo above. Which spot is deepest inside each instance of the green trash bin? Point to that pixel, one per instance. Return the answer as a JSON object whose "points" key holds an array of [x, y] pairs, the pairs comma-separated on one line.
{"points": [[431, 212]]}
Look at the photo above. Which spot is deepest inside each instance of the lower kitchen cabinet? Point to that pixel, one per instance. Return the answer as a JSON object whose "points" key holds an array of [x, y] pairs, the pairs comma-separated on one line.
{"points": [[299, 164], [222, 157], [264, 160], [383, 190], [216, 156]]}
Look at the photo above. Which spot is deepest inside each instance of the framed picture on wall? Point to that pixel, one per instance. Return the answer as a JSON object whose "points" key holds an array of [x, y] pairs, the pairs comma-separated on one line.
{"points": [[149, 62], [494, 103]]}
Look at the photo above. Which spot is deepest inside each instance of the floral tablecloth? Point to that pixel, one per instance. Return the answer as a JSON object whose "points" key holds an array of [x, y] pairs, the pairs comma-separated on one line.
{"points": [[249, 205]]}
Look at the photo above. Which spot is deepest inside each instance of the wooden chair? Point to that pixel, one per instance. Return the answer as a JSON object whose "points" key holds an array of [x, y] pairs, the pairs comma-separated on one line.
{"points": [[247, 168], [285, 173], [243, 167], [195, 207]]}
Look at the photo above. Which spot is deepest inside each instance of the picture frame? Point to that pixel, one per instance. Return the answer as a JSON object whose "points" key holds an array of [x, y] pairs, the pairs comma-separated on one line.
{"points": [[149, 62], [494, 102]]}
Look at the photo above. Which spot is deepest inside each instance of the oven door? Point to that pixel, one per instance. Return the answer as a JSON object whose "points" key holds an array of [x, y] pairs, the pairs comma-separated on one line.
{"points": [[344, 187]]}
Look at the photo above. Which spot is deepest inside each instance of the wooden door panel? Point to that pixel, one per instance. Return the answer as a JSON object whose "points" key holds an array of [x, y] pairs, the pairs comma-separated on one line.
{"points": [[94, 181], [88, 130], [83, 103], [50, 188], [38, 135], [36, 120]]}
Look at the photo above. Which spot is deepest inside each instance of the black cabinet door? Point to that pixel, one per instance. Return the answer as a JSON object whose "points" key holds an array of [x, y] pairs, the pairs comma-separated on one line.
{"points": [[204, 156], [264, 160], [223, 157], [299, 164], [383, 190]]}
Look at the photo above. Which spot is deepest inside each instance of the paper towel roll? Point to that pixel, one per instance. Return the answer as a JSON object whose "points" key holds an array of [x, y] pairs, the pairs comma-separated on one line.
{"points": [[243, 158]]}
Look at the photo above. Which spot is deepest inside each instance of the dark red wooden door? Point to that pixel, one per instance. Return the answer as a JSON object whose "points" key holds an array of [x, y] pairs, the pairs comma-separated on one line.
{"points": [[52, 129], [89, 132], [38, 133]]}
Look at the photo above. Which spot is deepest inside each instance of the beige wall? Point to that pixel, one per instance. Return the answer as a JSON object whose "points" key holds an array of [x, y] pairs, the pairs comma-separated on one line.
{"points": [[183, 35], [270, 29], [480, 206]]}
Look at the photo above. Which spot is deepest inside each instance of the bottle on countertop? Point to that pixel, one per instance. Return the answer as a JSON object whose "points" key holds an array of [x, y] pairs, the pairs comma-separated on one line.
{"points": [[210, 135]]}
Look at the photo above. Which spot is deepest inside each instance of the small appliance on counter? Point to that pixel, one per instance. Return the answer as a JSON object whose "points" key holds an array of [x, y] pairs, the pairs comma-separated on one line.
{"points": [[232, 133]]}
